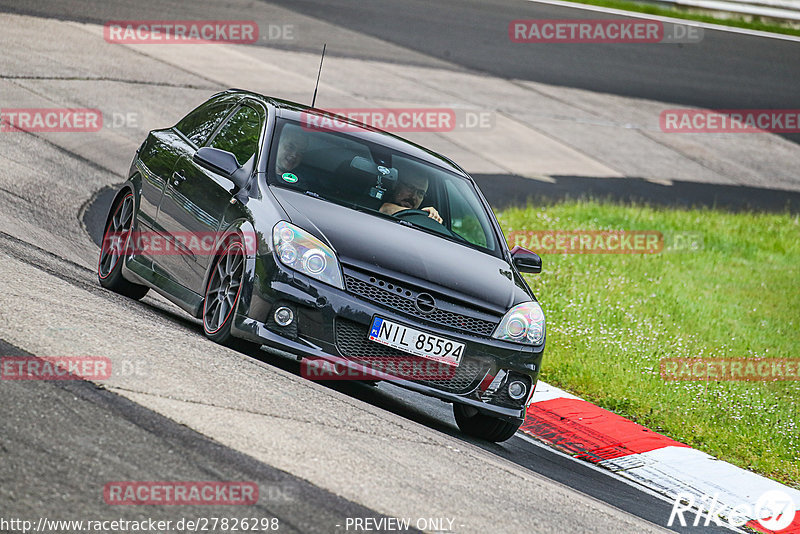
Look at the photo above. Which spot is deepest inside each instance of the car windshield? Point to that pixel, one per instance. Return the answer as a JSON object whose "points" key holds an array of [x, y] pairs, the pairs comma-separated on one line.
{"points": [[370, 177]]}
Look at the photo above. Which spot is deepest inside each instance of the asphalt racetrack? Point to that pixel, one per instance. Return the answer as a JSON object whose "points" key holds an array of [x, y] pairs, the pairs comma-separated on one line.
{"points": [[323, 455]]}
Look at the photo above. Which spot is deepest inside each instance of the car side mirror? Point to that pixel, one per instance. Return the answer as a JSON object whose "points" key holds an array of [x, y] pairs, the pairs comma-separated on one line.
{"points": [[221, 162], [526, 261]]}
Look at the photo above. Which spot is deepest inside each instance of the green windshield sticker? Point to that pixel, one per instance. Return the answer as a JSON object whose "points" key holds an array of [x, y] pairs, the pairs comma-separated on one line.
{"points": [[289, 177]]}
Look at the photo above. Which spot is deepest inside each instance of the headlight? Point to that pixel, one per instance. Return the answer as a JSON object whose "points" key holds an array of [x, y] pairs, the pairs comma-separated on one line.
{"points": [[301, 251], [524, 323]]}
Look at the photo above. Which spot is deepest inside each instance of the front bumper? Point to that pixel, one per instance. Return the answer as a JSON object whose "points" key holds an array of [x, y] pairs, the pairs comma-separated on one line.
{"points": [[332, 325]]}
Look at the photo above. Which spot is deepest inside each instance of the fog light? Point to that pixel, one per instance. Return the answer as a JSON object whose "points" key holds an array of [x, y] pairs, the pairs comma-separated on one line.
{"points": [[517, 389], [283, 316]]}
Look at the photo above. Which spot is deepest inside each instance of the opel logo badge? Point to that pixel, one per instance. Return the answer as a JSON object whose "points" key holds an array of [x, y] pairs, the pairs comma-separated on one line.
{"points": [[425, 303]]}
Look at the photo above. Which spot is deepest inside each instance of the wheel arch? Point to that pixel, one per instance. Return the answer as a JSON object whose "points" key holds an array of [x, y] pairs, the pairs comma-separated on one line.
{"points": [[127, 188]]}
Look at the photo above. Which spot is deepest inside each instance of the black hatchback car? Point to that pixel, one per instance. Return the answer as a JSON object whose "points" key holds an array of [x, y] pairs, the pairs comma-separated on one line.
{"points": [[339, 244]]}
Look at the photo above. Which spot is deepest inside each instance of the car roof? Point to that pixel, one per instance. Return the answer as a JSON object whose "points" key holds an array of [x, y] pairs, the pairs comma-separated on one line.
{"points": [[297, 112]]}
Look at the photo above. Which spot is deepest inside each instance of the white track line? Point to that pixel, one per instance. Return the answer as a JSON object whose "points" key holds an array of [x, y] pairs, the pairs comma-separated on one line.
{"points": [[704, 25]]}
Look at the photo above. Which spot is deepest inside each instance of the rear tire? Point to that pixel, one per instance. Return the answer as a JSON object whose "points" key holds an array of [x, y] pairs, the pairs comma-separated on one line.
{"points": [[116, 239], [479, 425]]}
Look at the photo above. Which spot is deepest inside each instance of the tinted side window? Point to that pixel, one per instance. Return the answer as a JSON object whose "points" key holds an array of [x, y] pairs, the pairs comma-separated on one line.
{"points": [[199, 124], [464, 220], [240, 134]]}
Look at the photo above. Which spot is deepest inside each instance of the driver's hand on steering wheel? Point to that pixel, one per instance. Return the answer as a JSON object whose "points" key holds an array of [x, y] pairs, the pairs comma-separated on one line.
{"points": [[433, 214]]}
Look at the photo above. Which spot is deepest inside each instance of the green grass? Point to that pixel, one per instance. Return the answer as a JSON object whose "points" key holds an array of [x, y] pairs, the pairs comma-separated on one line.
{"points": [[698, 15], [613, 317]]}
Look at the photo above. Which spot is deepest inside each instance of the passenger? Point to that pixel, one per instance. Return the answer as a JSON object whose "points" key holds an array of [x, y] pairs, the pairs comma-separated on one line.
{"points": [[407, 195], [291, 149]]}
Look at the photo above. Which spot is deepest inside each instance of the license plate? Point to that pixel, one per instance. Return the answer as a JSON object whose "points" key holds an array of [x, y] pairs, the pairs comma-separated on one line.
{"points": [[415, 341]]}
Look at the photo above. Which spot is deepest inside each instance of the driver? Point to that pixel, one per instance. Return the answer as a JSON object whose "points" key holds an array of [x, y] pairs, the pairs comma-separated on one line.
{"points": [[407, 195]]}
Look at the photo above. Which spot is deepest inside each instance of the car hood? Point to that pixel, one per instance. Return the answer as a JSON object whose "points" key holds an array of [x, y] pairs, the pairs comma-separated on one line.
{"points": [[386, 246]]}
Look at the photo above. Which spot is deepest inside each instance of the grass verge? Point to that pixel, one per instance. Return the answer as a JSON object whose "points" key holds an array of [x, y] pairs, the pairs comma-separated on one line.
{"points": [[613, 317], [749, 23]]}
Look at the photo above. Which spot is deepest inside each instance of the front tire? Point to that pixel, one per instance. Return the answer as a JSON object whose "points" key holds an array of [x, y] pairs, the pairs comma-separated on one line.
{"points": [[116, 240], [479, 425], [222, 293]]}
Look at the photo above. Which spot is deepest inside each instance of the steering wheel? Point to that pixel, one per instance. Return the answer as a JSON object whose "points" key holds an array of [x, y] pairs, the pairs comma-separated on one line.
{"points": [[422, 218], [409, 213]]}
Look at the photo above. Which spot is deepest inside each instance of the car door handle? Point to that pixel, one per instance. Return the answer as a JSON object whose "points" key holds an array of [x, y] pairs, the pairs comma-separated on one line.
{"points": [[177, 178]]}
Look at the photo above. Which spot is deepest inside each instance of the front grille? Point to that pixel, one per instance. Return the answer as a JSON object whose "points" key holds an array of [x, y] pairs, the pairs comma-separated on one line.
{"points": [[352, 343], [402, 300]]}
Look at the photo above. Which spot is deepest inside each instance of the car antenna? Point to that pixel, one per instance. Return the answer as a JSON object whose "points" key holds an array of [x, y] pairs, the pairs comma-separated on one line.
{"points": [[314, 99]]}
